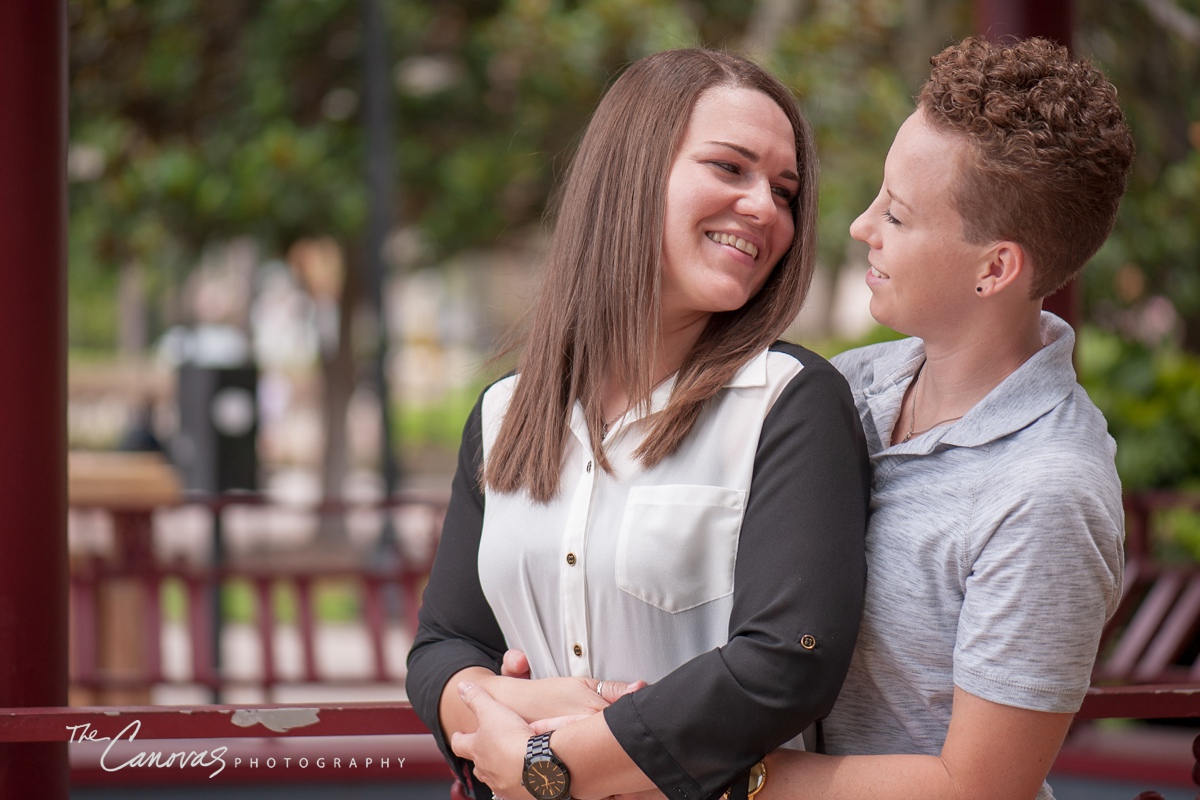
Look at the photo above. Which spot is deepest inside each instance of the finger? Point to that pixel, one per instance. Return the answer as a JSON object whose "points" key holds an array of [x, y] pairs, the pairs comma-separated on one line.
{"points": [[611, 691], [515, 665], [554, 723], [488, 711], [463, 745], [478, 700]]}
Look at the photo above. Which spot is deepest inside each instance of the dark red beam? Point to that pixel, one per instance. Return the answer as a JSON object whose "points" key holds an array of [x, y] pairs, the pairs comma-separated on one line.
{"points": [[362, 719], [1053, 19], [1141, 702], [207, 722], [33, 539]]}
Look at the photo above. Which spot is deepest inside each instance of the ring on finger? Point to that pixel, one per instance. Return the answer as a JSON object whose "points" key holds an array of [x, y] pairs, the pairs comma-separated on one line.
{"points": [[600, 688]]}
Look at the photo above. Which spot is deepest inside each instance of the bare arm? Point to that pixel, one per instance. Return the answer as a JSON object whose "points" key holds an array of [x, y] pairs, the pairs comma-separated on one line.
{"points": [[992, 752]]}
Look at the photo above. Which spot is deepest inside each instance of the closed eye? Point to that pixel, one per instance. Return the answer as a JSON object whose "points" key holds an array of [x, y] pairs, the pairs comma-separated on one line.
{"points": [[887, 215]]}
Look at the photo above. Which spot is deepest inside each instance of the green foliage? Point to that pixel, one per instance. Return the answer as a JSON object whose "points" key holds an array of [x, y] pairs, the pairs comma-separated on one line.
{"points": [[1156, 245], [219, 118], [846, 63], [1151, 399], [215, 118], [333, 601], [876, 334], [438, 425]]}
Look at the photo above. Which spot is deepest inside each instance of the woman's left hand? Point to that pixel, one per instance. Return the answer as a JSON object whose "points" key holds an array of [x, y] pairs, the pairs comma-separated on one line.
{"points": [[497, 747]]}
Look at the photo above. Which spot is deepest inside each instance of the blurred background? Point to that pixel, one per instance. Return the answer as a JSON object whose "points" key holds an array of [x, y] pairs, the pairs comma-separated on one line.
{"points": [[298, 229], [220, 207]]}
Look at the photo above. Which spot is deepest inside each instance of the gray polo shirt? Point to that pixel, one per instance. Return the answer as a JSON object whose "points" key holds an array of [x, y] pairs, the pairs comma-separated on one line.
{"points": [[994, 550]]}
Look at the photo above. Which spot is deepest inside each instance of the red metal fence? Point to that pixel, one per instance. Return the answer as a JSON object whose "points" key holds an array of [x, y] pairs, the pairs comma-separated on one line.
{"points": [[1155, 634], [121, 598], [1147, 669], [118, 602], [207, 729]]}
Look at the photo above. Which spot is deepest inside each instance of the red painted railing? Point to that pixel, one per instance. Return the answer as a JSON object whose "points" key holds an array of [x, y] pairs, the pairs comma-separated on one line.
{"points": [[1149, 642], [1153, 636], [216, 739], [118, 594]]}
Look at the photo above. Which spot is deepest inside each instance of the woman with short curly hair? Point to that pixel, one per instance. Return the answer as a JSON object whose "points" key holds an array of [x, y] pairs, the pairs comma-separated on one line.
{"points": [[995, 544]]}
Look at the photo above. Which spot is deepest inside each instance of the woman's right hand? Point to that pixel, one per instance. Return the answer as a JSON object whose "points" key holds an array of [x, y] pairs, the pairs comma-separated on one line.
{"points": [[515, 664], [557, 697]]}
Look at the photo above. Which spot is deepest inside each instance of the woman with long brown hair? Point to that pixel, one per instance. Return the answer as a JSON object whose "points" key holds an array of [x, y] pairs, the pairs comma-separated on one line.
{"points": [[661, 491]]}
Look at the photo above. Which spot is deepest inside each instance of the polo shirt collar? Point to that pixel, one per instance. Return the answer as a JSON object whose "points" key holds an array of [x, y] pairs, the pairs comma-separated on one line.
{"points": [[1032, 390]]}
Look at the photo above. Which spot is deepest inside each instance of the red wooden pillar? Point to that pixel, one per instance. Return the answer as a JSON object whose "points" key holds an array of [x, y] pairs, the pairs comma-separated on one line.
{"points": [[1053, 19], [33, 495]]}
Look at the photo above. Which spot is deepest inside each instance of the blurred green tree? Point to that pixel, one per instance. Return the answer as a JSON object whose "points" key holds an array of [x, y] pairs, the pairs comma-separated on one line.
{"points": [[1151, 51], [197, 121], [194, 123]]}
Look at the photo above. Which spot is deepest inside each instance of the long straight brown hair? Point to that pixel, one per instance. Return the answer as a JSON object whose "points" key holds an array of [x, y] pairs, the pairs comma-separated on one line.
{"points": [[597, 311]]}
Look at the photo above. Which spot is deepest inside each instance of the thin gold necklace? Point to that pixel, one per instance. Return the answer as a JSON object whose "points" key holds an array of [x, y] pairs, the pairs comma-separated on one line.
{"points": [[605, 425], [912, 420]]}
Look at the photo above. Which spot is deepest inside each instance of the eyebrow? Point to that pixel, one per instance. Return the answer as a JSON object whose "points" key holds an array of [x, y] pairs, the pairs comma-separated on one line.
{"points": [[754, 158]]}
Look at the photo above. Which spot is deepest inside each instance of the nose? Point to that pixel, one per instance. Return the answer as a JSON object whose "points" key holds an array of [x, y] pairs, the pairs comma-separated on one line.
{"points": [[863, 228], [760, 202]]}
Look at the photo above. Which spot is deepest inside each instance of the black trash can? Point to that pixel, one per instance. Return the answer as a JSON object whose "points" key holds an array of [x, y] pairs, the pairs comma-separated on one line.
{"points": [[215, 447]]}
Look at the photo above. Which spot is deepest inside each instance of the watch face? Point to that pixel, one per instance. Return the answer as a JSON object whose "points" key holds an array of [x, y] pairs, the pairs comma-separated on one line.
{"points": [[545, 780]]}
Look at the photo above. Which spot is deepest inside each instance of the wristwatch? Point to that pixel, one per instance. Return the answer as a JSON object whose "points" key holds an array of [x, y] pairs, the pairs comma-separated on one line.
{"points": [[545, 775], [758, 779]]}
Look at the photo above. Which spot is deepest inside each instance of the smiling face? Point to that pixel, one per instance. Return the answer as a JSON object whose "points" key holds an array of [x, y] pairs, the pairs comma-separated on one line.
{"points": [[923, 273], [728, 217]]}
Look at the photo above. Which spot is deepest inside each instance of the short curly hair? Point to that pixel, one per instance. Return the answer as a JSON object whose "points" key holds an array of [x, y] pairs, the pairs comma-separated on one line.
{"points": [[1049, 150]]}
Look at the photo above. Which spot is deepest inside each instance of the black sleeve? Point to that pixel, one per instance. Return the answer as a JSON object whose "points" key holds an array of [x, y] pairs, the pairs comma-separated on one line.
{"points": [[798, 594], [457, 627]]}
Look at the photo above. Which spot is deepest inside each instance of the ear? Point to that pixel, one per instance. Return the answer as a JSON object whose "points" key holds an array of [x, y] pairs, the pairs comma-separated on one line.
{"points": [[1005, 267]]}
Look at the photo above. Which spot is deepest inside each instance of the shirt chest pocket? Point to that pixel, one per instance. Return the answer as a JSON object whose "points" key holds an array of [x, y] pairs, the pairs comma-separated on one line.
{"points": [[677, 546]]}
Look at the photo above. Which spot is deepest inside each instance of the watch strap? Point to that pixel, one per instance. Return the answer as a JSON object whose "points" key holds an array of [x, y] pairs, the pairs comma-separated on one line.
{"points": [[538, 745], [747, 784]]}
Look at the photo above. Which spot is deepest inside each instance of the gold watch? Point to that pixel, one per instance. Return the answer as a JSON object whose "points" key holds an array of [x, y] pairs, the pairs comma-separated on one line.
{"points": [[758, 779]]}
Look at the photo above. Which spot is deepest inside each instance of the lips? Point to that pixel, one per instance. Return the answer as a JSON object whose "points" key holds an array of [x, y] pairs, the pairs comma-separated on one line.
{"points": [[876, 277], [737, 242]]}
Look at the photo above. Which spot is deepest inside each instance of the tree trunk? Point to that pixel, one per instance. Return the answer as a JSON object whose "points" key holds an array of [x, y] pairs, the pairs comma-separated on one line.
{"points": [[337, 386], [131, 310]]}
